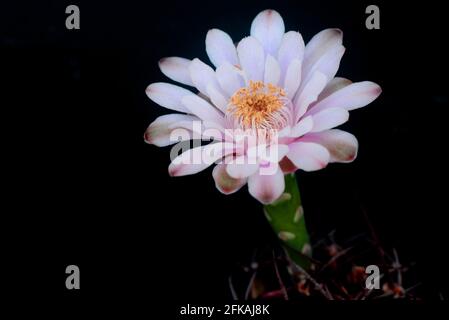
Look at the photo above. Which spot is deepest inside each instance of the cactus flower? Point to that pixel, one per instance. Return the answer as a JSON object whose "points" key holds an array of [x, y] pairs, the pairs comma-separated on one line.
{"points": [[270, 84]]}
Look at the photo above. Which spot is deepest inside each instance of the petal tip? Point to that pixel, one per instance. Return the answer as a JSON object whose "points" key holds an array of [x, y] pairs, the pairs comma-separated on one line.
{"points": [[173, 171], [149, 87], [374, 90], [351, 157], [268, 198], [147, 137], [163, 63], [265, 198], [337, 31], [268, 13], [377, 90], [152, 88], [224, 190], [149, 91], [210, 31]]}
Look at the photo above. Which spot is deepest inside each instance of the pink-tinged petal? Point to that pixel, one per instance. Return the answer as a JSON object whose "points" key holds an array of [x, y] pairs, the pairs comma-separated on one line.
{"points": [[252, 58], [287, 166], [323, 53], [293, 78], [292, 47], [309, 94], [328, 64], [308, 156], [217, 98], [168, 95], [272, 70], [302, 127], [199, 158], [329, 118], [177, 69], [267, 188], [202, 75], [334, 85], [220, 48], [319, 45], [229, 78], [224, 183], [341, 145], [159, 131], [202, 109], [350, 97], [242, 167], [268, 27]]}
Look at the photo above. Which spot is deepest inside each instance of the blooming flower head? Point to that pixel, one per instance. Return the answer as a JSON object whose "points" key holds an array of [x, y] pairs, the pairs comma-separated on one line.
{"points": [[271, 90]]}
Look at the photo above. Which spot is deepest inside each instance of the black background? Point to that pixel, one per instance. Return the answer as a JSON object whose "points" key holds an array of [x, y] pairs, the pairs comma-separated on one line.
{"points": [[83, 188]]}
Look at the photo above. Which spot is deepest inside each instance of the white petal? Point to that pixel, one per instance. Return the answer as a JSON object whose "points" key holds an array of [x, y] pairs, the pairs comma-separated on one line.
{"points": [[308, 156], [199, 158], [309, 94], [168, 95], [321, 43], [334, 85], [159, 131], [268, 28], [292, 47], [272, 70], [341, 145], [224, 183], [328, 63], [217, 98], [293, 78], [220, 48], [176, 69], [323, 53], [202, 75], [229, 78], [252, 58], [242, 167], [329, 118], [267, 188], [350, 97], [202, 109], [302, 127]]}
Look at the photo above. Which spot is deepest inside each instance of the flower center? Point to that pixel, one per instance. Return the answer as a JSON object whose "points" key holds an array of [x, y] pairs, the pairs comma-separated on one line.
{"points": [[259, 106]]}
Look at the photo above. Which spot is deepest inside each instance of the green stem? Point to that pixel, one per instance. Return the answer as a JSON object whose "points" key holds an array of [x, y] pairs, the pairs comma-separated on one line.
{"points": [[286, 217]]}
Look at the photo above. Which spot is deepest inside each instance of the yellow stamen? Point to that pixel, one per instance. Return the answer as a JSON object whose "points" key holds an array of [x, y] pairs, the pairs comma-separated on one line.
{"points": [[258, 106]]}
